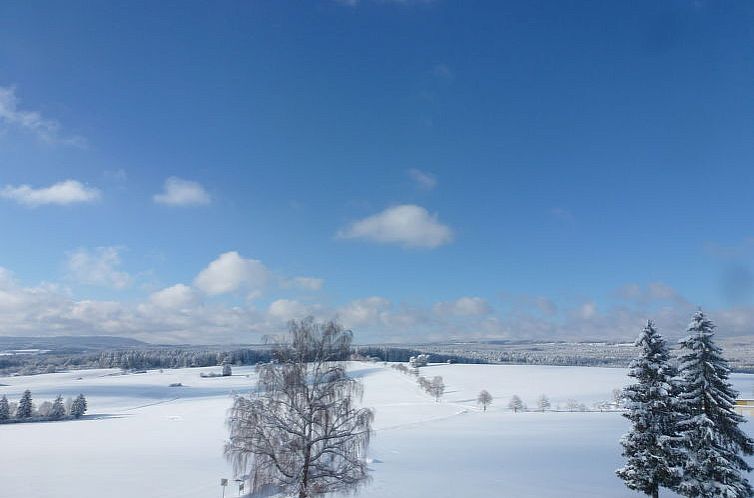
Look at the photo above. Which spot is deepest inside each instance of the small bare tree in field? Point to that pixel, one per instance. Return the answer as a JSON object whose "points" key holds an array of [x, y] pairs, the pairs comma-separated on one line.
{"points": [[437, 387], [484, 399], [516, 404], [543, 403], [302, 433]]}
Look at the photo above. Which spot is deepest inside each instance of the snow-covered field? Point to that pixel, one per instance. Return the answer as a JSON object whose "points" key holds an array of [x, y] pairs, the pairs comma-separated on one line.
{"points": [[145, 439]]}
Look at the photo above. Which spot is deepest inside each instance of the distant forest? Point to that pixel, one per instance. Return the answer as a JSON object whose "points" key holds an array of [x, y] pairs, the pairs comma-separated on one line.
{"points": [[114, 353]]}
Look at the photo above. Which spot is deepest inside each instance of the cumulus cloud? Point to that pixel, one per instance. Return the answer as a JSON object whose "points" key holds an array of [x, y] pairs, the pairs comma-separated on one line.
{"points": [[47, 130], [406, 225], [364, 312], [423, 179], [180, 192], [289, 309], [61, 193], [230, 272], [100, 266], [464, 306], [175, 297]]}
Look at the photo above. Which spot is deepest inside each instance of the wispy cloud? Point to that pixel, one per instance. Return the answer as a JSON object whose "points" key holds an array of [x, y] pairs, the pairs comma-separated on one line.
{"points": [[443, 72], [47, 130], [406, 225], [62, 193], [423, 179], [463, 306], [180, 192], [562, 214]]}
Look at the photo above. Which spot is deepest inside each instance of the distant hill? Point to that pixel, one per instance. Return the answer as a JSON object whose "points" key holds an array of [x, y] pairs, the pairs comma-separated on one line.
{"points": [[77, 343]]}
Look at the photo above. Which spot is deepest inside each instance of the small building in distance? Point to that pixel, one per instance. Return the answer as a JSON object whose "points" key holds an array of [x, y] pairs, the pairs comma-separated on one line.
{"points": [[744, 406], [419, 361]]}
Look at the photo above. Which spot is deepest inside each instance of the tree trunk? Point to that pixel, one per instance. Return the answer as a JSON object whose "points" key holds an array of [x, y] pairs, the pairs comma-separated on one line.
{"points": [[656, 492]]}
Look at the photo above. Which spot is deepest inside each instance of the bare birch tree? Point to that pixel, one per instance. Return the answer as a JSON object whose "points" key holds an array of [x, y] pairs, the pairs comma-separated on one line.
{"points": [[484, 399], [301, 433], [437, 387]]}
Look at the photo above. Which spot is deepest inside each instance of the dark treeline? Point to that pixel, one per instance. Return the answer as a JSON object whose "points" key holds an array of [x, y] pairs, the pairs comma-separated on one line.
{"points": [[385, 353], [185, 357]]}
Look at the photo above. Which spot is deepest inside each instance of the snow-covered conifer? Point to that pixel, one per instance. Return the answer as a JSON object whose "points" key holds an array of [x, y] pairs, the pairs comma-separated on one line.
{"points": [[25, 408], [713, 443], [227, 371], [484, 399], [4, 409], [58, 409], [78, 408], [650, 447]]}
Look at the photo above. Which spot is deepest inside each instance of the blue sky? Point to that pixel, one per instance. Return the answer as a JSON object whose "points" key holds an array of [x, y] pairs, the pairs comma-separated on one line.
{"points": [[203, 172]]}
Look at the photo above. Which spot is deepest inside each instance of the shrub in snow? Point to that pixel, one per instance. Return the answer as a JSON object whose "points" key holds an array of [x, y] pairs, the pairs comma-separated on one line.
{"points": [[227, 371], [25, 408], [650, 447], [708, 425], [302, 433], [44, 409], [484, 399]]}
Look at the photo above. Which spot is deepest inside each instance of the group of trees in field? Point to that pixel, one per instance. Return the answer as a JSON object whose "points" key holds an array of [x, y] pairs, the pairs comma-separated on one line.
{"points": [[684, 434], [435, 386], [26, 411]]}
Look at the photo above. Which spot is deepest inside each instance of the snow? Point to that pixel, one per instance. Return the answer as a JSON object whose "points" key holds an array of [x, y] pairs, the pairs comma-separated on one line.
{"points": [[143, 438]]}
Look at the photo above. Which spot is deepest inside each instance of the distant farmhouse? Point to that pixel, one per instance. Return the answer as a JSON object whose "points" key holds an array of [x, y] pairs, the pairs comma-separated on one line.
{"points": [[419, 361]]}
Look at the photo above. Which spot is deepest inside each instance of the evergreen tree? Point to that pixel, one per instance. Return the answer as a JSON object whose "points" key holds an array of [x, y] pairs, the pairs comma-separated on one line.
{"points": [[708, 425], [58, 409], [4, 409], [78, 408], [650, 448], [24, 409]]}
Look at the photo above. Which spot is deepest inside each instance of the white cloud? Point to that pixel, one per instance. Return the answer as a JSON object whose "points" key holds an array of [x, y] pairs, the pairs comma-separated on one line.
{"points": [[47, 130], [464, 306], [231, 272], [423, 179], [363, 311], [175, 297], [288, 309], [179, 192], [407, 225], [62, 193], [588, 310], [98, 267]]}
